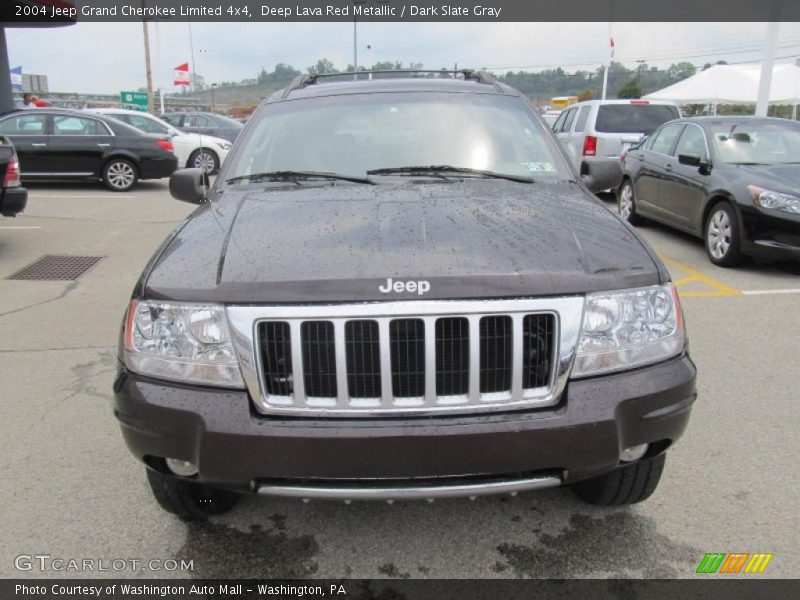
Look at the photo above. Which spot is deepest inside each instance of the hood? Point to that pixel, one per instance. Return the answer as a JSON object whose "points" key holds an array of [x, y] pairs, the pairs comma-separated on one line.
{"points": [[779, 178], [334, 242]]}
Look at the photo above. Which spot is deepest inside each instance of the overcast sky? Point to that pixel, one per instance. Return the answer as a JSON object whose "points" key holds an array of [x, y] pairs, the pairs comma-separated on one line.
{"points": [[109, 57]]}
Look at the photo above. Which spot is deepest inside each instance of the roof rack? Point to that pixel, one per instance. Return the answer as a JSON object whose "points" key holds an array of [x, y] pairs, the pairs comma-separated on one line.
{"points": [[302, 81]]}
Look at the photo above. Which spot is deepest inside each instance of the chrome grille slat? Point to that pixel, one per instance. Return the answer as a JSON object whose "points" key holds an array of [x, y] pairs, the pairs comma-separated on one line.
{"points": [[424, 364]]}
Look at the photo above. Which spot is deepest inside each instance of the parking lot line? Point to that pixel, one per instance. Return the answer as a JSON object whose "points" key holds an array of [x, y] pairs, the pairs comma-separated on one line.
{"points": [[768, 292], [39, 196], [22, 227], [693, 275]]}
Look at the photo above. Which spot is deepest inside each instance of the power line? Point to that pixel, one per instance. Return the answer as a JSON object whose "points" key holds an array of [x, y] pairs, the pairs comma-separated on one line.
{"points": [[595, 61]]}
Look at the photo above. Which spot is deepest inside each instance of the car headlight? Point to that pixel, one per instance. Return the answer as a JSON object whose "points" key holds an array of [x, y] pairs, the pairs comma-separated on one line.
{"points": [[628, 329], [181, 342], [774, 200]]}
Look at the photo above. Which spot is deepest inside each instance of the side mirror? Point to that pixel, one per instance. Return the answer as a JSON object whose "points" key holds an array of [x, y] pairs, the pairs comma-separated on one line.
{"points": [[189, 185], [601, 174], [692, 160]]}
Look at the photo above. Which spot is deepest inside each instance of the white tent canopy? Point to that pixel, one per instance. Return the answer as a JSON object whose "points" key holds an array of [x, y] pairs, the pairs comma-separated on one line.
{"points": [[733, 84]]}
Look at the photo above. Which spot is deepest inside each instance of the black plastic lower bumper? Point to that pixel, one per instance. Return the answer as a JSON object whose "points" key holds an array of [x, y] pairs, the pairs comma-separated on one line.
{"points": [[235, 447]]}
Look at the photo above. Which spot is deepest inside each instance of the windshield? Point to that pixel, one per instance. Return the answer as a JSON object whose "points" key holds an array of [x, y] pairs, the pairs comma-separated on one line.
{"points": [[634, 118], [354, 134], [760, 142]]}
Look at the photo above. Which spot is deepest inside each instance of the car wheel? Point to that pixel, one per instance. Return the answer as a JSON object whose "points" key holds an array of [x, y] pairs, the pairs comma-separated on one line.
{"points": [[189, 500], [627, 484], [627, 203], [204, 159], [120, 175], [722, 236]]}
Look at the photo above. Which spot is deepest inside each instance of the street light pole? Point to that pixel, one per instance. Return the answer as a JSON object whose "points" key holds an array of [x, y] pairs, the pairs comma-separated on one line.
{"points": [[213, 85]]}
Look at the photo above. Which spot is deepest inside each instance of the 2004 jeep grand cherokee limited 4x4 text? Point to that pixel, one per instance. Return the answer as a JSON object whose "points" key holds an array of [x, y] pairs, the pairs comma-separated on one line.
{"points": [[399, 288]]}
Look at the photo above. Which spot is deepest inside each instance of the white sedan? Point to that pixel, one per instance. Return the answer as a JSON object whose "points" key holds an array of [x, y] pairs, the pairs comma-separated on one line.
{"points": [[192, 149]]}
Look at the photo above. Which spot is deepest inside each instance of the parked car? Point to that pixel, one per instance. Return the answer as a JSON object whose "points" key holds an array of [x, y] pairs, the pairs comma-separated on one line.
{"points": [[13, 197], [403, 291], [605, 129], [59, 144], [734, 181], [551, 116], [193, 150], [205, 123]]}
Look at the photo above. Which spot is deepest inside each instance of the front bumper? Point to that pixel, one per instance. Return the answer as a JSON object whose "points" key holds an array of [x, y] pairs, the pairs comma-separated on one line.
{"points": [[236, 448], [771, 234]]}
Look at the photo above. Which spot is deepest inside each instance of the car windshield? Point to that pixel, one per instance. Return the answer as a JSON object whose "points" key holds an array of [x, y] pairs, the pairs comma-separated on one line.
{"points": [[634, 118], [354, 134], [757, 143]]}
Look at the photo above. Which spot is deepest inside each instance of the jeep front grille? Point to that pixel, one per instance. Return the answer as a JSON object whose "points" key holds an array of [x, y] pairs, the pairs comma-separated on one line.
{"points": [[422, 357]]}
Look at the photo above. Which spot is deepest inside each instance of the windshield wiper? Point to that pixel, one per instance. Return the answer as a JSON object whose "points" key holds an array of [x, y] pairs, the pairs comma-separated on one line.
{"points": [[297, 175], [442, 169]]}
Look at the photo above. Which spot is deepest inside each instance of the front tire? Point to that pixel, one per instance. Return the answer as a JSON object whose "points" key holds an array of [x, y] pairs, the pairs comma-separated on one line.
{"points": [[191, 501], [626, 484], [721, 236], [627, 203], [120, 175], [204, 159]]}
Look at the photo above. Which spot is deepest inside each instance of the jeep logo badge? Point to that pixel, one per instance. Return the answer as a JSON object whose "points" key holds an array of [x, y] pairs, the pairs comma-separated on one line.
{"points": [[419, 287]]}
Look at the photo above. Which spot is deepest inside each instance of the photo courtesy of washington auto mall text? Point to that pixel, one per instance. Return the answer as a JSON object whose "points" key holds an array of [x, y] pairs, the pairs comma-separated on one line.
{"points": [[399, 299]]}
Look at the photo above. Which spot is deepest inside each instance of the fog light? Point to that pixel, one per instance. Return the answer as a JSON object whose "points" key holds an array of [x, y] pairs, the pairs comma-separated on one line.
{"points": [[184, 468], [633, 453]]}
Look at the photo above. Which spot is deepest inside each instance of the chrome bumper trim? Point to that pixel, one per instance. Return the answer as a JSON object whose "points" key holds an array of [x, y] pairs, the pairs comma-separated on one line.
{"points": [[329, 491]]}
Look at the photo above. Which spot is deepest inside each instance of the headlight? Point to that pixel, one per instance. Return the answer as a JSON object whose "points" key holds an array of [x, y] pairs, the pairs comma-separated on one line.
{"points": [[623, 330], [181, 342], [774, 200]]}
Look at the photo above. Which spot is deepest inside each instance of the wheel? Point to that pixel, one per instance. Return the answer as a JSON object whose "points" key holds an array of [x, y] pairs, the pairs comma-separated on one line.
{"points": [[189, 500], [722, 236], [120, 175], [627, 484], [627, 203], [205, 159]]}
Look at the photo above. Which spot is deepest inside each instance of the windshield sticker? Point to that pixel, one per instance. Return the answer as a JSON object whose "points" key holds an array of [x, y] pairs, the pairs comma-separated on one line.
{"points": [[539, 167]]}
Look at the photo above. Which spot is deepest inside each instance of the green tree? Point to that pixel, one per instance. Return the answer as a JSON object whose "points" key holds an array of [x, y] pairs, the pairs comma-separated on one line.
{"points": [[630, 88], [586, 94], [323, 67]]}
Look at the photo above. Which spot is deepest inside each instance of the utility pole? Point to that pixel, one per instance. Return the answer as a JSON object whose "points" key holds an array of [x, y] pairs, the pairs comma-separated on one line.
{"points": [[147, 64], [355, 44]]}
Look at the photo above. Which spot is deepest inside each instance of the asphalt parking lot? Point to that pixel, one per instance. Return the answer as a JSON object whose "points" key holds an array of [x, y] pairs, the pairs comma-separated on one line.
{"points": [[71, 489]]}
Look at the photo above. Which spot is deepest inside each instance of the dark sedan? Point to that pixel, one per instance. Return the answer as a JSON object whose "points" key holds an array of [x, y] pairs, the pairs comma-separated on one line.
{"points": [[205, 123], [55, 144], [12, 197], [734, 181]]}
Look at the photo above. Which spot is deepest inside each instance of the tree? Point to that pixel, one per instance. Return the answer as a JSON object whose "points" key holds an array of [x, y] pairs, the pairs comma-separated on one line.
{"points": [[680, 71], [586, 94], [630, 88], [323, 67]]}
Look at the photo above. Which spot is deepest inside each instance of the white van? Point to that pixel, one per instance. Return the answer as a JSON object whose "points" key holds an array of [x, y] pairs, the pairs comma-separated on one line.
{"points": [[607, 128]]}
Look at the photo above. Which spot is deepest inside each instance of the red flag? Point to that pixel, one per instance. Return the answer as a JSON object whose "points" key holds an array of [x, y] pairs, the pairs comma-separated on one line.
{"points": [[612, 49], [182, 74]]}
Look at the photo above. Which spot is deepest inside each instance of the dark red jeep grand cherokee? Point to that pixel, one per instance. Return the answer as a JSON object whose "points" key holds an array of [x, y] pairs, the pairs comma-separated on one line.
{"points": [[399, 288]]}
